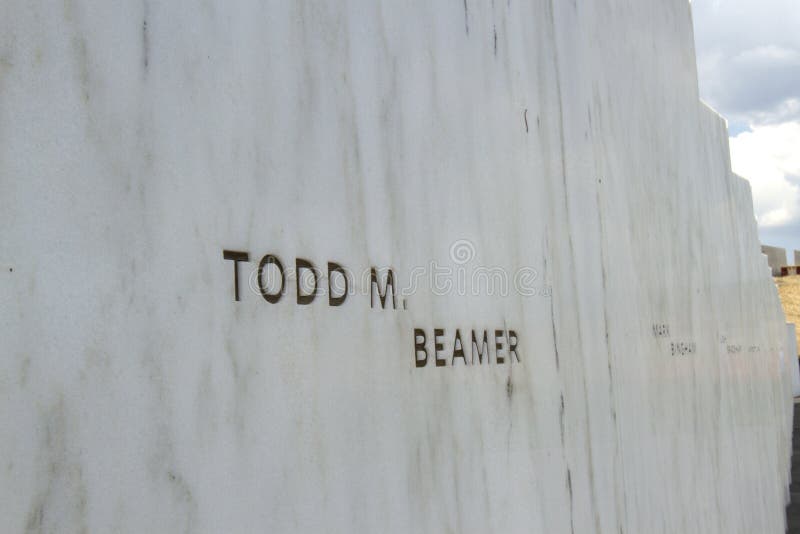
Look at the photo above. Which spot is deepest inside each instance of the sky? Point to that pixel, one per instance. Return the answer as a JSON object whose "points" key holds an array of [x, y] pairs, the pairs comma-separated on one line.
{"points": [[748, 62]]}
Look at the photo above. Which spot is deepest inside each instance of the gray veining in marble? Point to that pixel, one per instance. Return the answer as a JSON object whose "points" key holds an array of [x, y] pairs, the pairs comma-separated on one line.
{"points": [[561, 140]]}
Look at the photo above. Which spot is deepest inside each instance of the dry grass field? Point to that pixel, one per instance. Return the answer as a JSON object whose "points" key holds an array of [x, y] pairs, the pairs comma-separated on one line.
{"points": [[789, 291]]}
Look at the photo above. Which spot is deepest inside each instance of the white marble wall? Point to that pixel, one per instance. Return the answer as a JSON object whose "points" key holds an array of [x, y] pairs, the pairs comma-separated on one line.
{"points": [[791, 353], [139, 140]]}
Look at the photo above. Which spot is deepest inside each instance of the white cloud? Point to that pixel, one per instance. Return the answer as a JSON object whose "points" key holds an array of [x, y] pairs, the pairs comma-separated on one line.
{"points": [[769, 157], [748, 59]]}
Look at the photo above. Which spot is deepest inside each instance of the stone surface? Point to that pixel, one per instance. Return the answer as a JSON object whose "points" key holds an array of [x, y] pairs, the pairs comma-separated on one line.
{"points": [[776, 258], [791, 350], [793, 507], [796, 257], [560, 143]]}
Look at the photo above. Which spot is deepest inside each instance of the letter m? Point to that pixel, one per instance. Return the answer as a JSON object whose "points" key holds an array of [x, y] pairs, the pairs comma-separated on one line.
{"points": [[375, 289], [482, 351]]}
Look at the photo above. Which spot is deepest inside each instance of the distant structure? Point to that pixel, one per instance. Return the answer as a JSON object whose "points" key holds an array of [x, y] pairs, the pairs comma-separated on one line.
{"points": [[797, 257], [776, 258]]}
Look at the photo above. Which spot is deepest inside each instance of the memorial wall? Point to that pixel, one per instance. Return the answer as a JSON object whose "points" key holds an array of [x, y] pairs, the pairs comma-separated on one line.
{"points": [[378, 267]]}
